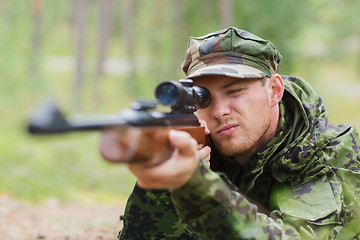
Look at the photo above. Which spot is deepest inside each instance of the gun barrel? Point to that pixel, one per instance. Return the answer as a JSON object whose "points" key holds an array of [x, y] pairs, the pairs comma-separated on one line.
{"points": [[48, 119]]}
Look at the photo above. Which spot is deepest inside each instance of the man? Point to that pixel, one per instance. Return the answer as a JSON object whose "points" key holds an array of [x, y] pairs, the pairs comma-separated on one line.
{"points": [[278, 169]]}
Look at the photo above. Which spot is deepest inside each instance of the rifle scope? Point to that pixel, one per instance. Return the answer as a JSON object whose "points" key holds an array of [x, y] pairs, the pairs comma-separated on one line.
{"points": [[182, 95]]}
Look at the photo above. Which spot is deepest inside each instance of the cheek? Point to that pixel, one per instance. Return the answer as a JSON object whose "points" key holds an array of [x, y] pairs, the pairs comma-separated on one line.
{"points": [[260, 101], [204, 119], [202, 114], [260, 109]]}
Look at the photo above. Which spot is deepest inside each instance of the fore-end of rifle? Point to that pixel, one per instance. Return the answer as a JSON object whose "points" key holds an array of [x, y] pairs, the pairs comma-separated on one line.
{"points": [[144, 144]]}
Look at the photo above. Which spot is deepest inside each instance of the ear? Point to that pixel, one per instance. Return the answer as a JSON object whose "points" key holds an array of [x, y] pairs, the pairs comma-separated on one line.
{"points": [[277, 89]]}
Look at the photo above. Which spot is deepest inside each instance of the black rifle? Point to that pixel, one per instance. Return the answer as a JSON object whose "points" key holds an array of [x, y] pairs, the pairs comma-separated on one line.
{"points": [[149, 124]]}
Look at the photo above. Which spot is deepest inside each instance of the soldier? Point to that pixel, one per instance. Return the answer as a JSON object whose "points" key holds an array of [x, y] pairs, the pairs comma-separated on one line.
{"points": [[278, 168]]}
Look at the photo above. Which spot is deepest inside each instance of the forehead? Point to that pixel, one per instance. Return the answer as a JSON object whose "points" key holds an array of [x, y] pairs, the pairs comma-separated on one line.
{"points": [[221, 82]]}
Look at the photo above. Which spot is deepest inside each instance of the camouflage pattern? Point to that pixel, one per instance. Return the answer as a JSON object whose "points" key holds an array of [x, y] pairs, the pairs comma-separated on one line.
{"points": [[150, 214], [312, 169], [232, 52], [308, 176]]}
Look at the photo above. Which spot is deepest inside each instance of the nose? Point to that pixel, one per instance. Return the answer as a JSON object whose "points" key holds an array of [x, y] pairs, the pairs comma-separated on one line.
{"points": [[221, 108]]}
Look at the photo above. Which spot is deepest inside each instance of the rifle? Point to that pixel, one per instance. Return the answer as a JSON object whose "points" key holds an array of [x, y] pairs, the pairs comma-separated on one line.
{"points": [[141, 132]]}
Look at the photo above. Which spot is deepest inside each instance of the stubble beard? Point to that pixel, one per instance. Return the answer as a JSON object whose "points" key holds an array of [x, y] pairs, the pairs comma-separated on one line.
{"points": [[243, 143]]}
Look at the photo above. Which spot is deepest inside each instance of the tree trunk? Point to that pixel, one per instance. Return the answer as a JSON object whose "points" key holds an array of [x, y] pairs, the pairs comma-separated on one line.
{"points": [[226, 14], [7, 12], [179, 39], [79, 21], [128, 33], [37, 6], [104, 32]]}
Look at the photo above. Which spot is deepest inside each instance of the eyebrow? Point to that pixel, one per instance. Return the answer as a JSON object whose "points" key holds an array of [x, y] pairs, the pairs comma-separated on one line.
{"points": [[232, 83]]}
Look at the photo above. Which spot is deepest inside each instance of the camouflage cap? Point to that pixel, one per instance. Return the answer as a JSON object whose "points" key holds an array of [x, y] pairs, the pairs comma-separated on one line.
{"points": [[231, 52]]}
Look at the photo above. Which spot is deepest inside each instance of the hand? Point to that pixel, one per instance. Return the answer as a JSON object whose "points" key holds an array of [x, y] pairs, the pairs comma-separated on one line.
{"points": [[174, 172], [109, 146], [205, 154]]}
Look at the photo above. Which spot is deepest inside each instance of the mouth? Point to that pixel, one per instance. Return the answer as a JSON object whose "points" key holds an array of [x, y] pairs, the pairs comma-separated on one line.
{"points": [[227, 129]]}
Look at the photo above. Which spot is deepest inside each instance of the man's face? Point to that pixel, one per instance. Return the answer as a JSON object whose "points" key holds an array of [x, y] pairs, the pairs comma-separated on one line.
{"points": [[239, 115]]}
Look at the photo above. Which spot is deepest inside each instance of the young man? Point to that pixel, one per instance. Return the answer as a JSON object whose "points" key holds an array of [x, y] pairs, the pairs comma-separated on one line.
{"points": [[278, 169]]}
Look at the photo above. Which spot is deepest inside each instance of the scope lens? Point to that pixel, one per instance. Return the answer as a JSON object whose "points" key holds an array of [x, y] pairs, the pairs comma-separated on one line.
{"points": [[167, 94]]}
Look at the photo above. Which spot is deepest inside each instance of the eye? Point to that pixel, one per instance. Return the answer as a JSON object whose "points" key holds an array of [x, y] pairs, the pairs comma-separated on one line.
{"points": [[234, 91]]}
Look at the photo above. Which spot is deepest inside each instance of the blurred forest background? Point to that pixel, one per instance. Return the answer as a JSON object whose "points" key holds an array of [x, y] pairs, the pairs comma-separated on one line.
{"points": [[97, 56]]}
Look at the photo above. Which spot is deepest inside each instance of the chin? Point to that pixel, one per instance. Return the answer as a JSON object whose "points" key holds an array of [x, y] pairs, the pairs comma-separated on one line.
{"points": [[228, 149], [233, 146]]}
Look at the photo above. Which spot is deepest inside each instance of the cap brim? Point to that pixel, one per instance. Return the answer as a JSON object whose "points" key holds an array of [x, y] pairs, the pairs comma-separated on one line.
{"points": [[230, 70]]}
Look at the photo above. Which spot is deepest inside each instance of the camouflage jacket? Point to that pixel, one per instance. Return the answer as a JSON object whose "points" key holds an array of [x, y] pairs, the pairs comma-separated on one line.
{"points": [[308, 176]]}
